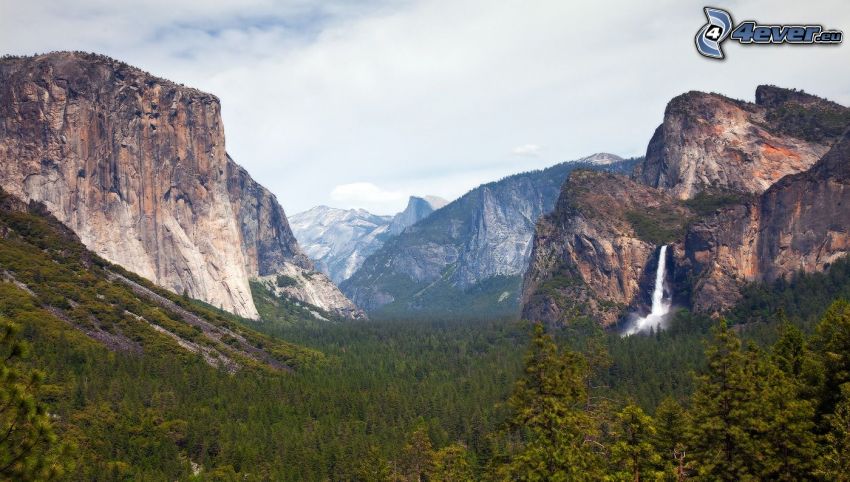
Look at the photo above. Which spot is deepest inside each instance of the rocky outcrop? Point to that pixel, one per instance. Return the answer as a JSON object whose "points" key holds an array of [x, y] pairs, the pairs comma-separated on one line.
{"points": [[136, 166], [802, 223], [309, 286], [710, 142], [594, 254], [475, 248], [339, 240], [418, 208]]}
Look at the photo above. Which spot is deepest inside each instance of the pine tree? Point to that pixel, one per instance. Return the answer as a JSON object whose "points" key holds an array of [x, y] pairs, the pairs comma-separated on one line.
{"points": [[787, 424], [551, 436], [722, 410], [634, 455], [832, 341], [835, 460], [670, 437], [374, 467], [418, 456], [452, 463], [26, 436]]}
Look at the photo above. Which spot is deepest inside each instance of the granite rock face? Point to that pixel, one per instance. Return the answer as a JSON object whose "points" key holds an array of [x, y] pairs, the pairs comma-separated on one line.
{"points": [[592, 255], [740, 192], [802, 223], [711, 142], [476, 247], [339, 240], [136, 166]]}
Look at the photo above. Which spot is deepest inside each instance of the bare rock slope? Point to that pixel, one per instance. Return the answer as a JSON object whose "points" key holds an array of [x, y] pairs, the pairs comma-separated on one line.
{"points": [[712, 142]]}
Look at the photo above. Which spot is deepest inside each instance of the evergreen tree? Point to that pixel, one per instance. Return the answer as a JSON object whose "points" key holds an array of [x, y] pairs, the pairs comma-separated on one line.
{"points": [[452, 463], [786, 423], [832, 342], [26, 436], [374, 467], [417, 461], [551, 435], [723, 408], [634, 455], [835, 460], [670, 437]]}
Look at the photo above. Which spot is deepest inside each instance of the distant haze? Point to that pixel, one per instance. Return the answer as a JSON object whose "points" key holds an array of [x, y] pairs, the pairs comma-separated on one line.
{"points": [[362, 106]]}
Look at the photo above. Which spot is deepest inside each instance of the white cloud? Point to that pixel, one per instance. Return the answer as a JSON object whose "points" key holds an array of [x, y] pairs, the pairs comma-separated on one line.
{"points": [[366, 194], [527, 150], [424, 96]]}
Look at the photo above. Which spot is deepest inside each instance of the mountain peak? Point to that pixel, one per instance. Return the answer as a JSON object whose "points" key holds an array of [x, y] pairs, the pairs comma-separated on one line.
{"points": [[600, 159]]}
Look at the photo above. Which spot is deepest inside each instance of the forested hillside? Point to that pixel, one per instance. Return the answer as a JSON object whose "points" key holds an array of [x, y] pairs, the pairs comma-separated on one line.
{"points": [[388, 400]]}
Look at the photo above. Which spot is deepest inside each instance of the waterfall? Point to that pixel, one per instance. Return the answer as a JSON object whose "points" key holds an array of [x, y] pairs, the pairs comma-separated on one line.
{"points": [[660, 308]]}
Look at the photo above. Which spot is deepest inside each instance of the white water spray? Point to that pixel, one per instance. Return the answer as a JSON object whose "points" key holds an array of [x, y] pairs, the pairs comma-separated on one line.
{"points": [[660, 308]]}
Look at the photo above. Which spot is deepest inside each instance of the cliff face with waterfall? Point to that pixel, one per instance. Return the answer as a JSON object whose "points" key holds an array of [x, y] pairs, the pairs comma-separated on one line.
{"points": [[136, 166], [741, 192], [594, 254]]}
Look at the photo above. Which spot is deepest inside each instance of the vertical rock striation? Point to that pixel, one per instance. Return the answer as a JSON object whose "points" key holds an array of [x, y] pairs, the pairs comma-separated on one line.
{"points": [[136, 166]]}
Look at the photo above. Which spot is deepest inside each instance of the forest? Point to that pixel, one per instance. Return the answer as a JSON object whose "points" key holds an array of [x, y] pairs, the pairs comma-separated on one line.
{"points": [[760, 395]]}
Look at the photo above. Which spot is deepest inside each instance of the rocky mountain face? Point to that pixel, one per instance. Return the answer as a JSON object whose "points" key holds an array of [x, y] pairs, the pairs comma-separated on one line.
{"points": [[339, 240], [595, 254], [136, 166], [418, 208], [740, 192], [711, 142], [802, 223], [471, 253]]}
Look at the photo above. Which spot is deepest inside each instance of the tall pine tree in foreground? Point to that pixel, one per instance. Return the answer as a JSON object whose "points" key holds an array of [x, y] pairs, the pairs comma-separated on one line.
{"points": [[551, 436], [26, 437]]}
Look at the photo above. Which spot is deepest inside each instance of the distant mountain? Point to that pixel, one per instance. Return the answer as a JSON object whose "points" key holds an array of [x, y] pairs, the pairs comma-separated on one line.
{"points": [[339, 240], [468, 258]]}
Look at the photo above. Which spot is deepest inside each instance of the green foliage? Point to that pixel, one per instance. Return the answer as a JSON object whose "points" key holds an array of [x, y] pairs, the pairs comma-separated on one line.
{"points": [[283, 281], [657, 226], [28, 445], [634, 452], [810, 122], [453, 463], [707, 202], [550, 431]]}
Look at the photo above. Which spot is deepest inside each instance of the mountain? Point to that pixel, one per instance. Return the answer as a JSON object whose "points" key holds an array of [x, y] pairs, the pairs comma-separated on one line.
{"points": [[593, 255], [136, 166], [338, 240], [418, 208], [802, 223], [45, 269], [712, 142], [468, 257], [740, 193]]}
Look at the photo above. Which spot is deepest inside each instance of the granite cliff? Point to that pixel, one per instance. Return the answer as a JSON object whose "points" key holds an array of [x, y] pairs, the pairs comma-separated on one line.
{"points": [[467, 258], [136, 166], [802, 223], [595, 253], [741, 193], [708, 142]]}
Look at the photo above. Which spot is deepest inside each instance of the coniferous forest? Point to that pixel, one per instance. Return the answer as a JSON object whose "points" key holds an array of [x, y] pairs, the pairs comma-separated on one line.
{"points": [[763, 394]]}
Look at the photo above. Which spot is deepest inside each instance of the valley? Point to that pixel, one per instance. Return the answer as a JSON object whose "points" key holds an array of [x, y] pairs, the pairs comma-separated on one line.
{"points": [[593, 319]]}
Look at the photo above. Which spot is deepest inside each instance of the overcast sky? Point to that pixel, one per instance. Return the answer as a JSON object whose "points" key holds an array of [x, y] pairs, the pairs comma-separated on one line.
{"points": [[360, 104]]}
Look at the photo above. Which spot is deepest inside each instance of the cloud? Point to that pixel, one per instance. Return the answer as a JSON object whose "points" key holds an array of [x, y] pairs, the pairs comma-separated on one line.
{"points": [[428, 96], [361, 194], [527, 150]]}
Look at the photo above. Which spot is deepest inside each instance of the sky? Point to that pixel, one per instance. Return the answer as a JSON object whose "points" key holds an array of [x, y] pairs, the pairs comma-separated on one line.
{"points": [[361, 104]]}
